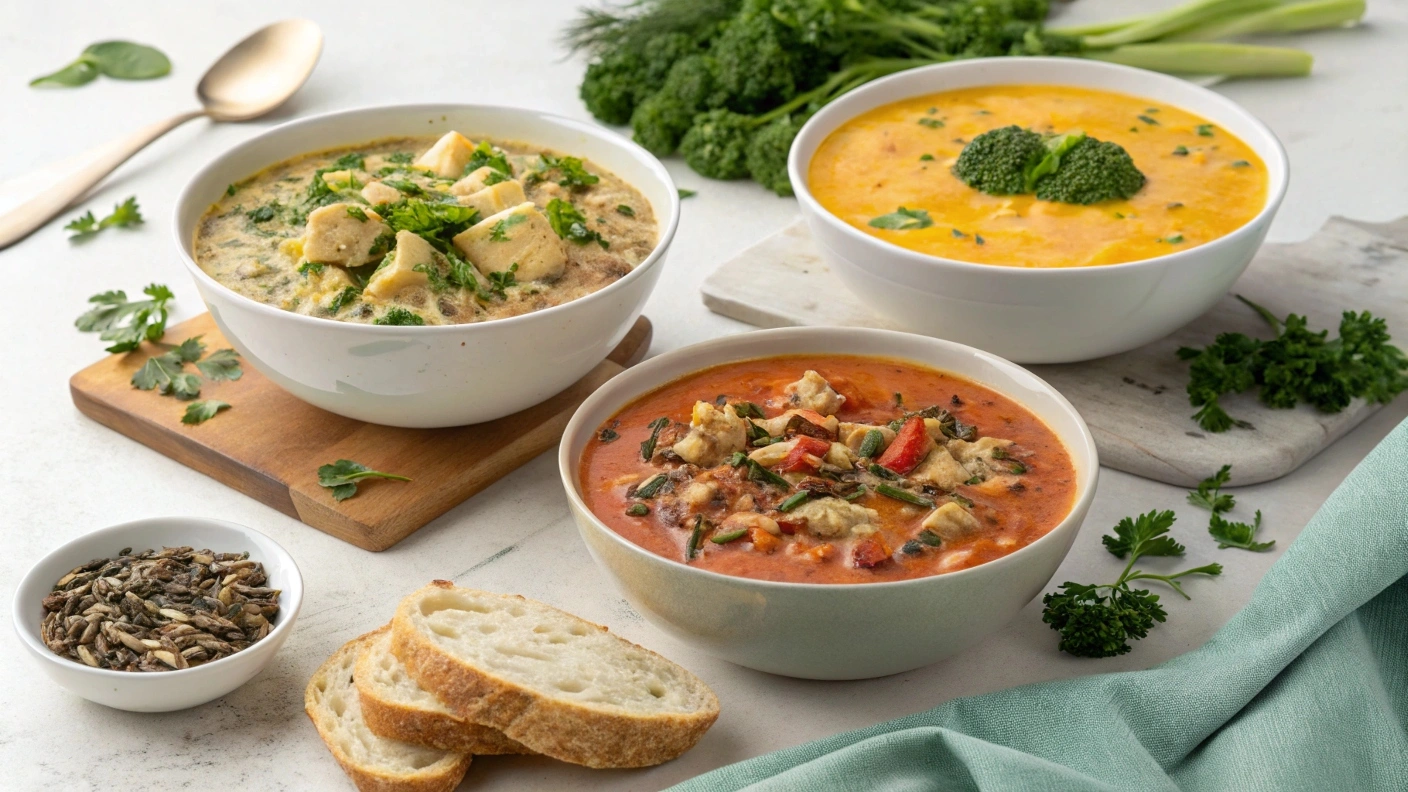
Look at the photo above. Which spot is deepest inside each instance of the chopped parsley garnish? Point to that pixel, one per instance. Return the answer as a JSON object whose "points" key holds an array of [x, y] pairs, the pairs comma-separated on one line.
{"points": [[926, 157], [350, 161], [344, 298], [400, 317], [357, 213], [401, 158], [1205, 130], [499, 232], [1241, 164], [1095, 624], [500, 281], [570, 224], [230, 189], [124, 215], [436, 223], [1148, 120], [932, 123], [485, 154], [264, 213], [125, 322], [313, 267], [571, 171], [625, 210], [903, 219], [1180, 151], [343, 475]]}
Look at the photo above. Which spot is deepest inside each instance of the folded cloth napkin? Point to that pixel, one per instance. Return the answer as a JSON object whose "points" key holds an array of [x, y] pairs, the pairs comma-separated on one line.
{"points": [[1305, 689]]}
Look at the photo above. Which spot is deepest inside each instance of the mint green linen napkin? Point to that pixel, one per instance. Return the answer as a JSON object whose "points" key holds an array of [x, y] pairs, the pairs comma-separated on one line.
{"points": [[1305, 689]]}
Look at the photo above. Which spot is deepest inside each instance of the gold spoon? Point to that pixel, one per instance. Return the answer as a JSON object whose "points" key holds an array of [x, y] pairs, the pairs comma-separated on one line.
{"points": [[254, 77]]}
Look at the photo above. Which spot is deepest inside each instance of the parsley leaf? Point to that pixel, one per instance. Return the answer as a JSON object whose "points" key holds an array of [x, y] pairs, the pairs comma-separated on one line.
{"points": [[499, 232], [436, 223], [145, 319], [1238, 534], [1209, 493], [903, 219], [400, 317], [201, 411], [401, 158], [342, 476], [571, 224], [343, 299], [499, 281], [571, 169], [265, 213], [625, 210], [485, 154], [683, 193], [223, 364], [1298, 365], [357, 213], [124, 215], [1096, 624], [165, 374]]}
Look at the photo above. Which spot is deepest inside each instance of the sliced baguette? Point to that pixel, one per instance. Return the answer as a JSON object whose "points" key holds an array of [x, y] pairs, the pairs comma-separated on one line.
{"points": [[564, 687], [373, 763], [395, 707]]}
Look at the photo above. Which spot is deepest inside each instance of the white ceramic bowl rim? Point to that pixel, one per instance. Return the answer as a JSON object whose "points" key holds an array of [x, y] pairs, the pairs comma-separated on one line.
{"points": [[19, 610], [568, 465], [666, 230], [1276, 159]]}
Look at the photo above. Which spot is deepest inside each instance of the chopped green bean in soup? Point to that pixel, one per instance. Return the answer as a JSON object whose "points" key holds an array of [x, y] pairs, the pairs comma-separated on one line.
{"points": [[439, 230]]}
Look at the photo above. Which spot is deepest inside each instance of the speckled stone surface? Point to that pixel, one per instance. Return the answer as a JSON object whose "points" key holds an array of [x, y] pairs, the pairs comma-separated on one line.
{"points": [[62, 475], [1135, 402]]}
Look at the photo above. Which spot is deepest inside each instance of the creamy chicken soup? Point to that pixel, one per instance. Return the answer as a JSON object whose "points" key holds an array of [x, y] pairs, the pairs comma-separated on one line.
{"points": [[425, 231]]}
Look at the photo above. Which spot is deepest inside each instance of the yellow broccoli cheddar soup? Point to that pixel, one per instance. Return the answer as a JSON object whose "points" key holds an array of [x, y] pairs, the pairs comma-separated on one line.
{"points": [[891, 173]]}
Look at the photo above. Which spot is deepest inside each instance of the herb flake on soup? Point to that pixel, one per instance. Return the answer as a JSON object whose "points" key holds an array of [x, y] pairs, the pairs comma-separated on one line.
{"points": [[425, 231], [889, 173], [827, 469]]}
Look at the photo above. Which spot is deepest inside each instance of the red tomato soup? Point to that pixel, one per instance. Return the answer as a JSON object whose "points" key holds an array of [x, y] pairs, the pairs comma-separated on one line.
{"points": [[827, 469]]}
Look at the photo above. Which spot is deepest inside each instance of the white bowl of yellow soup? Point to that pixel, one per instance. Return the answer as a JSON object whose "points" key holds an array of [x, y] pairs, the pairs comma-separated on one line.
{"points": [[440, 373], [1038, 281]]}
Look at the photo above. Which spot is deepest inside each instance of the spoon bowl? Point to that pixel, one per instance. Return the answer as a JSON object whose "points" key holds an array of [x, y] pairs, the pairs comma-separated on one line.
{"points": [[261, 72]]}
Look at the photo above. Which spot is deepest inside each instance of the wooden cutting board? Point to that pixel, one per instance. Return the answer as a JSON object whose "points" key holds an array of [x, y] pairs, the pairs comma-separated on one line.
{"points": [[269, 444], [1135, 402]]}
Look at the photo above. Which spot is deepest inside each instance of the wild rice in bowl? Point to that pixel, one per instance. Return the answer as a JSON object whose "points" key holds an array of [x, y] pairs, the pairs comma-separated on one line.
{"points": [[159, 610]]}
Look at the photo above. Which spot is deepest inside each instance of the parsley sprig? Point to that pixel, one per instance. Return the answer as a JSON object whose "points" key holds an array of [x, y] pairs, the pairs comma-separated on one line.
{"points": [[342, 476], [1298, 365], [1209, 496], [571, 224], [166, 373], [127, 322], [124, 215], [1092, 624]]}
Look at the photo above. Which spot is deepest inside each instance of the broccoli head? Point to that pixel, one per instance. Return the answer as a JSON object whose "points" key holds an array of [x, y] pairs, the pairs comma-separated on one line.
{"points": [[1090, 172], [998, 161], [767, 154], [717, 144], [611, 84], [761, 63], [662, 118]]}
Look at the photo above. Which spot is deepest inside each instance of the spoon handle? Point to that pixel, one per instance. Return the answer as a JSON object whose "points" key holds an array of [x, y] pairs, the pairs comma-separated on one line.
{"points": [[30, 200]]}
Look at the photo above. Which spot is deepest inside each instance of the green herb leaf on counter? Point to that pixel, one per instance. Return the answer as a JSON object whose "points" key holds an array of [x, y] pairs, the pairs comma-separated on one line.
{"points": [[903, 219], [123, 60], [1209, 493], [342, 476], [399, 317], [1092, 624], [201, 411], [1298, 365], [124, 215], [1238, 534], [127, 322], [683, 193], [571, 225]]}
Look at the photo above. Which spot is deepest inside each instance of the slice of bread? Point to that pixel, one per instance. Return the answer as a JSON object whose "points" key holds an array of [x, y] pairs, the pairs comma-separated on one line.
{"points": [[395, 707], [562, 686], [373, 763]]}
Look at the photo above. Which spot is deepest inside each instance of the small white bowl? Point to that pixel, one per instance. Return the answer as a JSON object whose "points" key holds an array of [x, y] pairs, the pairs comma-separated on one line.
{"points": [[161, 691], [1038, 315], [447, 375], [830, 631]]}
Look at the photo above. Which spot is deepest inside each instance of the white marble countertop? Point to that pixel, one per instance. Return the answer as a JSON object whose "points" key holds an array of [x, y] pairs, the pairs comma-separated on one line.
{"points": [[62, 475]]}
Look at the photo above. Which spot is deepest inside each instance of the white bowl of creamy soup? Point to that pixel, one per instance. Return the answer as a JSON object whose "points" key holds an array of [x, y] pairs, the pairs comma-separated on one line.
{"points": [[427, 265]]}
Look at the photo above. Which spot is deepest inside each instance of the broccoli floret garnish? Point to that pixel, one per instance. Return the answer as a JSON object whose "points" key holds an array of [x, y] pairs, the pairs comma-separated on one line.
{"points": [[717, 145], [1091, 172], [997, 162], [1070, 168]]}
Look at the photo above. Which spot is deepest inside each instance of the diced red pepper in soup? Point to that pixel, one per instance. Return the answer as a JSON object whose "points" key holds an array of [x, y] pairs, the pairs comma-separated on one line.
{"points": [[909, 448], [806, 455], [870, 552]]}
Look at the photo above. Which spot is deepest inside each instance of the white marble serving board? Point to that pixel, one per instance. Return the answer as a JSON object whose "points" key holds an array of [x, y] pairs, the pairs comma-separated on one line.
{"points": [[1135, 402]]}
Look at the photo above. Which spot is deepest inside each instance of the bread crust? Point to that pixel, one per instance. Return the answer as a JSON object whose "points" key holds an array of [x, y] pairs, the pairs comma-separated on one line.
{"points": [[370, 779], [396, 721], [562, 729]]}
